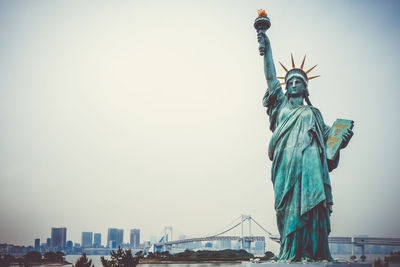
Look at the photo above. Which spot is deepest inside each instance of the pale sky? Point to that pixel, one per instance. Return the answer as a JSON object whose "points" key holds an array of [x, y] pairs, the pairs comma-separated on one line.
{"points": [[146, 114]]}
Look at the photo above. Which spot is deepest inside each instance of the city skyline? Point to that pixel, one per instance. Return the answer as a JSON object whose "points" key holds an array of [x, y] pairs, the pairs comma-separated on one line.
{"points": [[371, 246], [88, 239], [109, 120]]}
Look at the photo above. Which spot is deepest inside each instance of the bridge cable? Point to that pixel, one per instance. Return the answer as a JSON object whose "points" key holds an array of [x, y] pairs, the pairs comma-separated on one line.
{"points": [[270, 235], [264, 230], [226, 230], [262, 227], [222, 228]]}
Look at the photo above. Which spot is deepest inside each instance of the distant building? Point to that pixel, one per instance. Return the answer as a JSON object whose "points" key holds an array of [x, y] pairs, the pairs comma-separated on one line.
{"points": [[135, 238], [70, 244], [225, 244], [116, 235], [112, 244], [182, 245], [58, 237], [236, 245], [259, 245], [87, 239], [37, 244], [97, 240], [48, 243]]}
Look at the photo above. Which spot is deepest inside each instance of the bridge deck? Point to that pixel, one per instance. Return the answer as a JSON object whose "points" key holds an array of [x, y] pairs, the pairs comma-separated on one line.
{"points": [[358, 241], [213, 238]]}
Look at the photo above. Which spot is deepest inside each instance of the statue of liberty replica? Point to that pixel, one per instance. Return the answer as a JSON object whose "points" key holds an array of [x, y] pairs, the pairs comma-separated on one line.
{"points": [[303, 150]]}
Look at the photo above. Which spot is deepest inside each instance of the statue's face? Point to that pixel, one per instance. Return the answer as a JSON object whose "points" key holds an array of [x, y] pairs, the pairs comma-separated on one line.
{"points": [[295, 86]]}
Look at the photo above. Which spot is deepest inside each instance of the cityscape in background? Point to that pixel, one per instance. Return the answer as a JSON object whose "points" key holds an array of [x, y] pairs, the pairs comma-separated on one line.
{"points": [[95, 244]]}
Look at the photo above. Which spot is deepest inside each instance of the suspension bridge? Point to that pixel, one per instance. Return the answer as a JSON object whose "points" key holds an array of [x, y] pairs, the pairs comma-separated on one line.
{"points": [[166, 242]]}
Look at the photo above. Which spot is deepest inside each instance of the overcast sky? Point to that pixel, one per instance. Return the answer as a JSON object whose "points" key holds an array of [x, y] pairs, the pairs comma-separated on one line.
{"points": [[146, 114]]}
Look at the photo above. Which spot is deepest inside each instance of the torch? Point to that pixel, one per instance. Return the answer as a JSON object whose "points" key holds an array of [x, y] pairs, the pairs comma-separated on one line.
{"points": [[262, 24]]}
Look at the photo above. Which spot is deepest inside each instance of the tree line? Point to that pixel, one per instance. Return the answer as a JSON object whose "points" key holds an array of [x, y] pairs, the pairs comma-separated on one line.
{"points": [[119, 258]]}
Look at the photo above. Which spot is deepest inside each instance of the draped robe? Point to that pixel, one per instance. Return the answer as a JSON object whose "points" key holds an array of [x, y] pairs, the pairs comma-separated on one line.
{"points": [[300, 177]]}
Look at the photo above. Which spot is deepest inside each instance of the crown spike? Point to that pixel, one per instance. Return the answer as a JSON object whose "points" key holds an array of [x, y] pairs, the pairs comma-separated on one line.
{"points": [[293, 66], [282, 78], [283, 67], [313, 77], [302, 63], [310, 69]]}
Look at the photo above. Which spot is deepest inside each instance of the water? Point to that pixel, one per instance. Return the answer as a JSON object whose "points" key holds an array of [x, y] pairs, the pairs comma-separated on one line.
{"points": [[97, 261]]}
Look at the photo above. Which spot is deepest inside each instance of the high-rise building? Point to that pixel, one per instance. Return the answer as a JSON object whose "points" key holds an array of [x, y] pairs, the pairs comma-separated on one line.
{"points": [[37, 244], [115, 235], [58, 237], [48, 243], [112, 244], [97, 240], [135, 238], [87, 239]]}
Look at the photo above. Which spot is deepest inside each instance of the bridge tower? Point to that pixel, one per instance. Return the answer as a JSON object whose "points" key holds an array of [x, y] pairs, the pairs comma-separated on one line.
{"points": [[167, 237], [167, 233], [243, 219]]}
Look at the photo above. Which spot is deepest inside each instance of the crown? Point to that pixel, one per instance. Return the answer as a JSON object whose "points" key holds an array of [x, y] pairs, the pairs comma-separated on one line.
{"points": [[297, 72]]}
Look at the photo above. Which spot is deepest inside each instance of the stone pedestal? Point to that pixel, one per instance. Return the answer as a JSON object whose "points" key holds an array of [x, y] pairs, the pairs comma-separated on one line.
{"points": [[310, 264]]}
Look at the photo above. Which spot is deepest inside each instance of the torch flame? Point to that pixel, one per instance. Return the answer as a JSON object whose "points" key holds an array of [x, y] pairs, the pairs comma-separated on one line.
{"points": [[262, 13]]}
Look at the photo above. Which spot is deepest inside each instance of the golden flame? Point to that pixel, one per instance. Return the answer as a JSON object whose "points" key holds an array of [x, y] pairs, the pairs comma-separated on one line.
{"points": [[262, 13]]}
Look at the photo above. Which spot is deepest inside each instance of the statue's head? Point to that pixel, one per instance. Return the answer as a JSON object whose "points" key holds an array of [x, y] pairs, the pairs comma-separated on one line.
{"points": [[296, 80], [296, 84]]}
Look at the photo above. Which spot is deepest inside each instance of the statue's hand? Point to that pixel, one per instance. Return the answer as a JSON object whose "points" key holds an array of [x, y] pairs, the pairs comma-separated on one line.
{"points": [[261, 35], [346, 138], [263, 41]]}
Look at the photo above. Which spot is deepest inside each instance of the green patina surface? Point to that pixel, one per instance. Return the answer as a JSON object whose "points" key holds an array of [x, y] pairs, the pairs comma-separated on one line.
{"points": [[300, 167], [300, 177]]}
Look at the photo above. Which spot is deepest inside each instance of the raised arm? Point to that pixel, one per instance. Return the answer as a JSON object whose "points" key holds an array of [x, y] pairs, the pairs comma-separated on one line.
{"points": [[274, 97], [269, 66]]}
